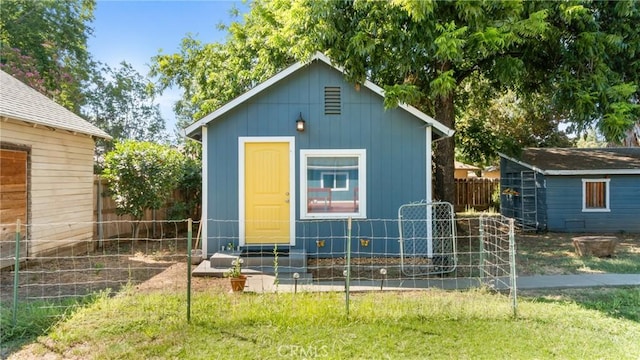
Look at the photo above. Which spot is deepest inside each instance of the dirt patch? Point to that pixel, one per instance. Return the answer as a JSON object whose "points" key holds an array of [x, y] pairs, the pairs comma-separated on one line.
{"points": [[146, 265], [174, 278], [554, 253]]}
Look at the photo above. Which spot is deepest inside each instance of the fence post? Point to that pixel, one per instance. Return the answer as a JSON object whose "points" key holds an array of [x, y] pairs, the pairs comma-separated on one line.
{"points": [[481, 265], [189, 233], [512, 261], [347, 279], [16, 276], [99, 213]]}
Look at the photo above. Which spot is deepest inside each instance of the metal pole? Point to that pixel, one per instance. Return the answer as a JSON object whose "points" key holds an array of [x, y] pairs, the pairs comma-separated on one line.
{"points": [[481, 265], [16, 276], [99, 219], [348, 277], [512, 260], [189, 234]]}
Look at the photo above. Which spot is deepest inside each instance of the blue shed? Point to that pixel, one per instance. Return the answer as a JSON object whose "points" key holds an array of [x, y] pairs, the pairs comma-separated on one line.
{"points": [[572, 190], [303, 149]]}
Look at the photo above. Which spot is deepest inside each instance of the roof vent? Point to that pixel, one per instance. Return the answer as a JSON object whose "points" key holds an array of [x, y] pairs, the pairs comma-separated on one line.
{"points": [[332, 100]]}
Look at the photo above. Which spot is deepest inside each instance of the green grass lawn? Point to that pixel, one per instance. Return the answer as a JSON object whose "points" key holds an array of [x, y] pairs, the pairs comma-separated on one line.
{"points": [[415, 325]]}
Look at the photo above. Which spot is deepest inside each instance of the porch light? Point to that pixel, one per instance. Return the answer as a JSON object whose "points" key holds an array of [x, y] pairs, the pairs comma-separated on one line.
{"points": [[300, 123]]}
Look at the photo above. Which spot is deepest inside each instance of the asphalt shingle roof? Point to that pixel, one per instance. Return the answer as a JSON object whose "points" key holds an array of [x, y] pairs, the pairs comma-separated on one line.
{"points": [[573, 159], [21, 102]]}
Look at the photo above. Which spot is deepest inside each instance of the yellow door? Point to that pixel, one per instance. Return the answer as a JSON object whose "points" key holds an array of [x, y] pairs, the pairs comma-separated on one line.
{"points": [[266, 189]]}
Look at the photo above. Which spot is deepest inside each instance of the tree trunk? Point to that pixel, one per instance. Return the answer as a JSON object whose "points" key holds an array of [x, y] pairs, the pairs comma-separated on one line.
{"points": [[136, 228], [444, 152]]}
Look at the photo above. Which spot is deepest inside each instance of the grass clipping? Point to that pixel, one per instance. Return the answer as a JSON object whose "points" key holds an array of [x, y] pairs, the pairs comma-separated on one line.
{"points": [[425, 324]]}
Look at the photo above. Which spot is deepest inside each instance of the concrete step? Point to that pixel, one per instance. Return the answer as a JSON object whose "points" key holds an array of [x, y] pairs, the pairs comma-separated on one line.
{"points": [[282, 270], [291, 261]]}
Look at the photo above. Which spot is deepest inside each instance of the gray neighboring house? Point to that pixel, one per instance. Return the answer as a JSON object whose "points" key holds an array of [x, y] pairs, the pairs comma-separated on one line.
{"points": [[573, 190], [46, 168]]}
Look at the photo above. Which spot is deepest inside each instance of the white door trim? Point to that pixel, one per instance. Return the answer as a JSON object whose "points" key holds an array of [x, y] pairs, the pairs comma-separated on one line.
{"points": [[241, 182]]}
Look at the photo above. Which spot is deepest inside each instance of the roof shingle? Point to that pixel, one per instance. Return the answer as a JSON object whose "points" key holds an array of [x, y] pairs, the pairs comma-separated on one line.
{"points": [[21, 102], [585, 160]]}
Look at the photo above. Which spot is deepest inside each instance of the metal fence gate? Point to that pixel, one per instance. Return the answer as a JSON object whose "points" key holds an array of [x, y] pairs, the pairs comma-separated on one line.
{"points": [[427, 238]]}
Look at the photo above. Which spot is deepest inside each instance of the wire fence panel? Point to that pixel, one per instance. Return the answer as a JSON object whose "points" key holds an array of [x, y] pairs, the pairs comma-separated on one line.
{"points": [[409, 252], [74, 268], [496, 250]]}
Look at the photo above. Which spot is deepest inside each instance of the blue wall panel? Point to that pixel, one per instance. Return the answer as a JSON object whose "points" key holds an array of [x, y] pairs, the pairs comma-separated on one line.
{"points": [[564, 203], [511, 205]]}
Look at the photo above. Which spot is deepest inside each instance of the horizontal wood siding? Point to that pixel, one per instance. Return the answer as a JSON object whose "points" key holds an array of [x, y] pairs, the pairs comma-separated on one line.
{"points": [[564, 202], [394, 140], [61, 184]]}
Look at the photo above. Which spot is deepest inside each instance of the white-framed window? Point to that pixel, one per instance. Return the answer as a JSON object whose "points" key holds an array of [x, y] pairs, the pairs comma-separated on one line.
{"points": [[333, 183], [595, 195]]}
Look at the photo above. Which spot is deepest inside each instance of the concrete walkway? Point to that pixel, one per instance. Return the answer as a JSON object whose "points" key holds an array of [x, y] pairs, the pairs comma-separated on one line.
{"points": [[259, 282], [577, 281], [265, 283]]}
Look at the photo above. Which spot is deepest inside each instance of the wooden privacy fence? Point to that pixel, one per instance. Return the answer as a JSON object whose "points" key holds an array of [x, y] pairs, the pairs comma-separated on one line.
{"points": [[475, 193], [109, 224]]}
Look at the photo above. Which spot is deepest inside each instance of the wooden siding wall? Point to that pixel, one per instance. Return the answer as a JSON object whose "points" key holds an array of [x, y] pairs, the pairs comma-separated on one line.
{"points": [[475, 193], [394, 140], [511, 206], [60, 184], [564, 205]]}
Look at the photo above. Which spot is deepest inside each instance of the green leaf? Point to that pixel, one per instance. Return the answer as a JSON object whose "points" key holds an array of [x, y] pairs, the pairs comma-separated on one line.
{"points": [[444, 84]]}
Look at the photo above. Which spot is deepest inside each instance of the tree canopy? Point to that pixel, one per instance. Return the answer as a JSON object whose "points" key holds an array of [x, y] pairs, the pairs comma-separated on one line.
{"points": [[51, 35], [44, 44], [570, 61], [119, 103]]}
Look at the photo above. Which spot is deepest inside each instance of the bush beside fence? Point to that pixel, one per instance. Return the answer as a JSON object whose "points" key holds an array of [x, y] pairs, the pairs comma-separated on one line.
{"points": [[109, 224]]}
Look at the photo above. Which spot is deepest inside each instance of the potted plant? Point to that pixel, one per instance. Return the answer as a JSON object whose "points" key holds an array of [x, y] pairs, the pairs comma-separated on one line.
{"points": [[235, 275]]}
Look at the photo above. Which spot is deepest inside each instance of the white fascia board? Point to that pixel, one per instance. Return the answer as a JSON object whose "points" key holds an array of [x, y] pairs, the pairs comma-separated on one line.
{"points": [[97, 132], [574, 172], [244, 97], [594, 172], [528, 166], [443, 130]]}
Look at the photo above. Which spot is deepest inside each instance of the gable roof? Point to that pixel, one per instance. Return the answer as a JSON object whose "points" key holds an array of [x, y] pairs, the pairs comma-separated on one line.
{"points": [[574, 161], [21, 102], [194, 128]]}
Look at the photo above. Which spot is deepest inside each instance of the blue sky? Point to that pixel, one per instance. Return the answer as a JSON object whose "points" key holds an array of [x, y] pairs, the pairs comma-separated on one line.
{"points": [[135, 31]]}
